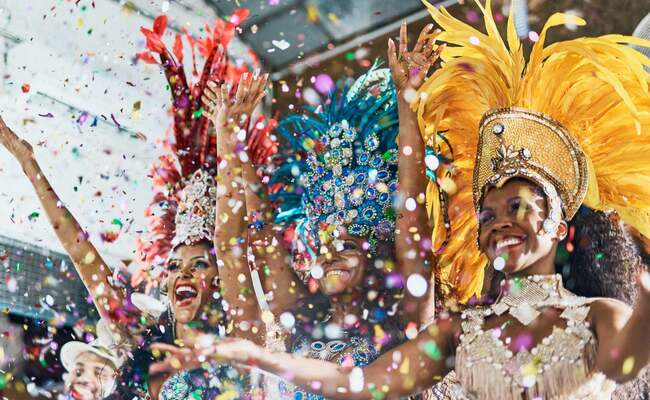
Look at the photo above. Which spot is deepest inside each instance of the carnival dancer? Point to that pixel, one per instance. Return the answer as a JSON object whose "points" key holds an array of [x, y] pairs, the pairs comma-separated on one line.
{"points": [[529, 143], [182, 227]]}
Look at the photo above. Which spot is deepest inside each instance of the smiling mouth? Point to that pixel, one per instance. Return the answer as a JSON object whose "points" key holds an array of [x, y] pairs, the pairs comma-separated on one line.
{"points": [[506, 243], [339, 273], [185, 294], [79, 391]]}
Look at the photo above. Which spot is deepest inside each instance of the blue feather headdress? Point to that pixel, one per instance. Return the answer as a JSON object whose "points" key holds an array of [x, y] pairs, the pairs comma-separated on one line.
{"points": [[341, 168]]}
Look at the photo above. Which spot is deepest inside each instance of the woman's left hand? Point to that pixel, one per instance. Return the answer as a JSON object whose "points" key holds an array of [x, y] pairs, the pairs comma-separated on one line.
{"points": [[409, 68]]}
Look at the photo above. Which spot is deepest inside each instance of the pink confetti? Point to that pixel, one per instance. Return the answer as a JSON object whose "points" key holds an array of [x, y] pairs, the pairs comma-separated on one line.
{"points": [[324, 84]]}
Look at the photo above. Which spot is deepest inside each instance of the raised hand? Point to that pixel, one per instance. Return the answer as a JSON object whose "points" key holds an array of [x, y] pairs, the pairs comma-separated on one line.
{"points": [[223, 109], [20, 148], [409, 68]]}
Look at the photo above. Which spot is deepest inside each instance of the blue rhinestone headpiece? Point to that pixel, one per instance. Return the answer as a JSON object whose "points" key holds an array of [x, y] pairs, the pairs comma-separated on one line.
{"points": [[342, 169]]}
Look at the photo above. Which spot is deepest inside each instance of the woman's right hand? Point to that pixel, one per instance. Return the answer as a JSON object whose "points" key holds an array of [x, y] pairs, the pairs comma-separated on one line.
{"points": [[20, 148], [206, 348]]}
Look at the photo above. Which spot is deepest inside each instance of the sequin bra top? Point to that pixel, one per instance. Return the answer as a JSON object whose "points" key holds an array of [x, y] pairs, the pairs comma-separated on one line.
{"points": [[561, 366], [358, 350]]}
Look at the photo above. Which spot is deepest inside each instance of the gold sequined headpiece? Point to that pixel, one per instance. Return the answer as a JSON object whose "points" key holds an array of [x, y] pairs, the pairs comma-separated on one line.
{"points": [[514, 142], [574, 118]]}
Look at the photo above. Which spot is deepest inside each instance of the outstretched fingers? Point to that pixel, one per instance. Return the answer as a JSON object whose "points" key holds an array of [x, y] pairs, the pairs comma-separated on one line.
{"points": [[423, 38], [403, 39]]}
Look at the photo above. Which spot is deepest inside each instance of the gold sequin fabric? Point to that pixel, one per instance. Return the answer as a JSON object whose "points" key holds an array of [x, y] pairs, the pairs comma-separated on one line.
{"points": [[514, 142], [560, 367]]}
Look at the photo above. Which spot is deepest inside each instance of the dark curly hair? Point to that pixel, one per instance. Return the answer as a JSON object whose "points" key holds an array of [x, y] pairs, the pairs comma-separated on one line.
{"points": [[604, 262]]}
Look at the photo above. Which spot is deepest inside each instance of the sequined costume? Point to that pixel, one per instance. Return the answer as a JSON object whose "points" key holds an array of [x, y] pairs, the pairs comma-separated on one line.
{"points": [[562, 363], [574, 119], [351, 349]]}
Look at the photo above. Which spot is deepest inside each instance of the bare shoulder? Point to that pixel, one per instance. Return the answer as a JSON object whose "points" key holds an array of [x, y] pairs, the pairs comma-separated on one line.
{"points": [[608, 311]]}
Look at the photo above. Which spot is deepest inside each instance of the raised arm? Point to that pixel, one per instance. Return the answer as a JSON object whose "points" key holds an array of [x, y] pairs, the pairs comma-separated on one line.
{"points": [[407, 369], [623, 333], [95, 274], [271, 258], [229, 115], [413, 230]]}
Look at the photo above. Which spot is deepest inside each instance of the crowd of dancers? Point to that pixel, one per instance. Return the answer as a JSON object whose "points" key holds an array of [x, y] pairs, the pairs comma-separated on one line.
{"points": [[398, 240]]}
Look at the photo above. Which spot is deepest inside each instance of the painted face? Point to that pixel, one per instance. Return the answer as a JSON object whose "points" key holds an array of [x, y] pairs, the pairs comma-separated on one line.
{"points": [[191, 272], [344, 263], [511, 221], [92, 377]]}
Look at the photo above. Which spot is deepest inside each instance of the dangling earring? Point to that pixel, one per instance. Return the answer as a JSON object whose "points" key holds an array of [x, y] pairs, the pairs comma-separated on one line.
{"points": [[549, 226], [164, 288]]}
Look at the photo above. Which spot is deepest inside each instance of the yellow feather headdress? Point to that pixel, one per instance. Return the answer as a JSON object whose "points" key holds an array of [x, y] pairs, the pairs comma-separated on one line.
{"points": [[592, 93]]}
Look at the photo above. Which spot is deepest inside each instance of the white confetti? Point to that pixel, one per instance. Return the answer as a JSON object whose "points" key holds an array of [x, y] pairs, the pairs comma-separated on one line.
{"points": [[416, 285], [281, 44]]}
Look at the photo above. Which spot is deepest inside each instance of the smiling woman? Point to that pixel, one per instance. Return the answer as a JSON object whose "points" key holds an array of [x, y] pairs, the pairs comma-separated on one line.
{"points": [[192, 280], [509, 228]]}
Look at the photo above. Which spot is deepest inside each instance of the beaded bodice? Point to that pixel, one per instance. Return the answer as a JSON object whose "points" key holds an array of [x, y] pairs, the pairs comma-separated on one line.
{"points": [[351, 350], [221, 381], [558, 367]]}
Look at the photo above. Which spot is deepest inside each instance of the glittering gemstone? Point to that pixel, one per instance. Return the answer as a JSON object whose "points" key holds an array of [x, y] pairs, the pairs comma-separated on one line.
{"points": [[498, 129]]}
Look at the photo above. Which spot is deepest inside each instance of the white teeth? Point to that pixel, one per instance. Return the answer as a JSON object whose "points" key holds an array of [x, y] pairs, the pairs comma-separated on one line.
{"points": [[508, 242], [336, 272], [185, 290]]}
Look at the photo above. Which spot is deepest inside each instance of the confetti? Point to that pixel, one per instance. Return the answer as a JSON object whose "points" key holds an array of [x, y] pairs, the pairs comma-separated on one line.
{"points": [[324, 84], [281, 44], [25, 87], [417, 285], [499, 263], [628, 365]]}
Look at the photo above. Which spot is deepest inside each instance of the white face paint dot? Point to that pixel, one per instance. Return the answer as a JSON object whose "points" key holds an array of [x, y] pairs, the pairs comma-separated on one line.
{"points": [[432, 162], [49, 300], [287, 320], [317, 272], [474, 40], [499, 263], [408, 150], [417, 285], [410, 204]]}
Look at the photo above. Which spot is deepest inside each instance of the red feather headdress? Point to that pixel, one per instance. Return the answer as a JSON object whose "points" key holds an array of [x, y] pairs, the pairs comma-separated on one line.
{"points": [[192, 154]]}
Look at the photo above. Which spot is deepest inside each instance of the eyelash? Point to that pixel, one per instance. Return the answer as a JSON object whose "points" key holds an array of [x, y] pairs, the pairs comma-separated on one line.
{"points": [[201, 265], [173, 266], [485, 217]]}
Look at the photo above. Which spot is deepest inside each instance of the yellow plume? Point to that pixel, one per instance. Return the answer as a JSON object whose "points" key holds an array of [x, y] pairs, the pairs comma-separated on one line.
{"points": [[596, 88]]}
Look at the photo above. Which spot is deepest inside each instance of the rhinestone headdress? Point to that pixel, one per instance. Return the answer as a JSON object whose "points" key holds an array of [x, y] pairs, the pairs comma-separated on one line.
{"points": [[574, 119], [342, 168], [183, 209]]}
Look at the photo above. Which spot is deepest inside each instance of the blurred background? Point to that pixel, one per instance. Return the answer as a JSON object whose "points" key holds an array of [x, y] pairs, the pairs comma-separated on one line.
{"points": [[96, 116]]}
